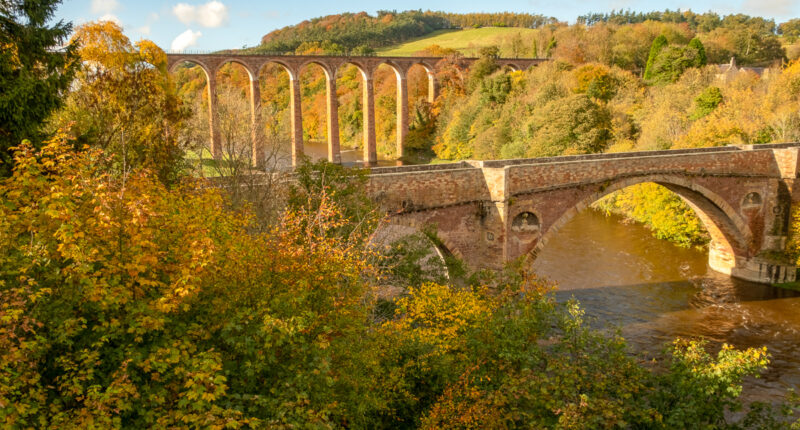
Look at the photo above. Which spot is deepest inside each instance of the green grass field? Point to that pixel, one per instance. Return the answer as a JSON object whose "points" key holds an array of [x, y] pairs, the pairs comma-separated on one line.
{"points": [[466, 41]]}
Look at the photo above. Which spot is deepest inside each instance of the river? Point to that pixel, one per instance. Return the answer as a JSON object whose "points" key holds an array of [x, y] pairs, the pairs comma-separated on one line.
{"points": [[655, 291]]}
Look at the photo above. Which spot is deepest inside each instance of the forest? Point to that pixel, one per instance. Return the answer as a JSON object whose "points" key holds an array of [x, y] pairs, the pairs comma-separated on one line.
{"points": [[136, 293], [360, 33]]}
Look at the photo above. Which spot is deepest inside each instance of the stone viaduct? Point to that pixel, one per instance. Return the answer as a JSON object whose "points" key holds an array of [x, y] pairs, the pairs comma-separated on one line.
{"points": [[294, 64], [491, 212]]}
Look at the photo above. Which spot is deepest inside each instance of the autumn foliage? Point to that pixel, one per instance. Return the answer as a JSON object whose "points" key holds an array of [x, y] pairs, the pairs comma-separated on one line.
{"points": [[132, 295]]}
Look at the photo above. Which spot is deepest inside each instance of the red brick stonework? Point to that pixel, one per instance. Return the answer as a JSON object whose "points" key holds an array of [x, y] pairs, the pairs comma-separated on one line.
{"points": [[492, 212], [294, 64]]}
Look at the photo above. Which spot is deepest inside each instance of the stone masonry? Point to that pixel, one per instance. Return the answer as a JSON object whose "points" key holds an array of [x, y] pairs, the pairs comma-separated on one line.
{"points": [[492, 212], [294, 64]]}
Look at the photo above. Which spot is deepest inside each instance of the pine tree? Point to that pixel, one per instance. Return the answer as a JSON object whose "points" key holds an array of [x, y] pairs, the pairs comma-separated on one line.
{"points": [[701, 58], [658, 44], [35, 70]]}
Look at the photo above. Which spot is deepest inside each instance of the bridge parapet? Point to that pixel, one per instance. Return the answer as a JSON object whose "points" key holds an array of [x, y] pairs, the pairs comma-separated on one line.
{"points": [[492, 212]]}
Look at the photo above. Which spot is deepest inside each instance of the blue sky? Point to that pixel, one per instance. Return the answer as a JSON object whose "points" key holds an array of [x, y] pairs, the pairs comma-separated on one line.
{"points": [[219, 24]]}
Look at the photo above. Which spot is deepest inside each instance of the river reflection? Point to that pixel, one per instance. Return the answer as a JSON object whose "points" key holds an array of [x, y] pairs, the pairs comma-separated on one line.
{"points": [[655, 291]]}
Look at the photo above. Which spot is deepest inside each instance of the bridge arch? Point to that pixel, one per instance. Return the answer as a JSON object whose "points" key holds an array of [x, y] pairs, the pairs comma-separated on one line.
{"points": [[253, 94], [401, 99], [433, 84], [331, 104], [204, 67], [731, 237], [296, 113], [250, 73], [211, 92], [285, 66], [370, 155]]}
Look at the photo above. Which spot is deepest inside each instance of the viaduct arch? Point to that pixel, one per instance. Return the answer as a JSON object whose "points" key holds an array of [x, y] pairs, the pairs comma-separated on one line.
{"points": [[294, 64], [492, 212]]}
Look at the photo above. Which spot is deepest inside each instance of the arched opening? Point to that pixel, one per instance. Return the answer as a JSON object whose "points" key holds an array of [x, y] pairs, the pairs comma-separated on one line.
{"points": [[730, 237], [274, 88], [320, 139], [194, 87], [354, 85], [236, 117], [651, 290], [422, 92], [421, 84], [391, 109]]}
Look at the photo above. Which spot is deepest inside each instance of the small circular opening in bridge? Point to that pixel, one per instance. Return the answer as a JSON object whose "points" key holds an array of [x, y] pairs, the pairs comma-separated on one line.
{"points": [[751, 200], [526, 222]]}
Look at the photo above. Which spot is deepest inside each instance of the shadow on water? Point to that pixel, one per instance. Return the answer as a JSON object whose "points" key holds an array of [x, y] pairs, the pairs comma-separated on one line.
{"points": [[654, 291]]}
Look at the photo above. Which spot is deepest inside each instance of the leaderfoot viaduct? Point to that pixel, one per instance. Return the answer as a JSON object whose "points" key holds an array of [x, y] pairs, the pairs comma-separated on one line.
{"points": [[294, 64], [492, 212]]}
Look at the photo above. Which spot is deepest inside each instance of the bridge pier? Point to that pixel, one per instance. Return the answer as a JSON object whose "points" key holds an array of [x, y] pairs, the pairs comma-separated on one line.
{"points": [[297, 119], [334, 152], [402, 112], [256, 133], [213, 118], [370, 149], [433, 87]]}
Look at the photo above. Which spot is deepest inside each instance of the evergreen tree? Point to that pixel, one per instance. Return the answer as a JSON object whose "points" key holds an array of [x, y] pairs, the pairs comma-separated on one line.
{"points": [[701, 59], [35, 70], [658, 44]]}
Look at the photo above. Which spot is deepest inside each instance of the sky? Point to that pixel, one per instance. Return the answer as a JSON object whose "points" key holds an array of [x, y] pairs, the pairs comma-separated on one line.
{"points": [[226, 24]]}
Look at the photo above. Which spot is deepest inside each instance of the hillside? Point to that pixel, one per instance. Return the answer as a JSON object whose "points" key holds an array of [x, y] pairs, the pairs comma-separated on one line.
{"points": [[465, 41], [361, 33]]}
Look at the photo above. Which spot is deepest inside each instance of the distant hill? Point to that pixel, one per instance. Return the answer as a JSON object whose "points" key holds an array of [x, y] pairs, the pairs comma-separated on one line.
{"points": [[466, 41], [363, 33]]}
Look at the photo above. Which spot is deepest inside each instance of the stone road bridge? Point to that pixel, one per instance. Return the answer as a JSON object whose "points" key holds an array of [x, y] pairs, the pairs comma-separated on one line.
{"points": [[294, 64], [491, 212]]}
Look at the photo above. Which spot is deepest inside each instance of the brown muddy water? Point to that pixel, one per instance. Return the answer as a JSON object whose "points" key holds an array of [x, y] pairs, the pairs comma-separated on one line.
{"points": [[654, 291]]}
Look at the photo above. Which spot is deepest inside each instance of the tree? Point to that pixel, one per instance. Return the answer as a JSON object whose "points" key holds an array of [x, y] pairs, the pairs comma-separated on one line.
{"points": [[484, 66], [35, 70], [750, 47], [596, 81], [495, 89], [658, 44], [571, 125], [700, 59], [125, 103], [706, 102], [790, 28]]}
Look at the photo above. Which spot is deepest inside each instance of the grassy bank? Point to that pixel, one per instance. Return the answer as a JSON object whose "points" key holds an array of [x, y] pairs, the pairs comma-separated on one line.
{"points": [[465, 41]]}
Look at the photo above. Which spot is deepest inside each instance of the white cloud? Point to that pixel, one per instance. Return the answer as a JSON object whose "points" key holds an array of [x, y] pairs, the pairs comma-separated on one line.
{"points": [[111, 17], [145, 29], [770, 8], [104, 6], [184, 40], [211, 14]]}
